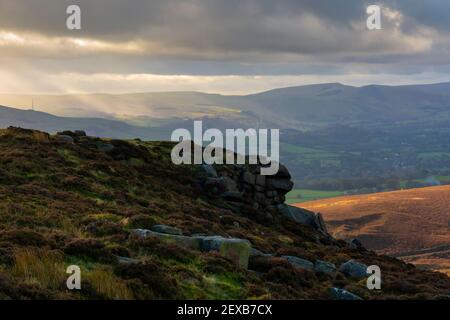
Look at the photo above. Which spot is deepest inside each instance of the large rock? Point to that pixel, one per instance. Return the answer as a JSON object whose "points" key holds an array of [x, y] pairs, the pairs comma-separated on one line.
{"points": [[238, 250], [353, 269], [341, 294], [324, 267], [161, 228], [299, 262], [299, 215]]}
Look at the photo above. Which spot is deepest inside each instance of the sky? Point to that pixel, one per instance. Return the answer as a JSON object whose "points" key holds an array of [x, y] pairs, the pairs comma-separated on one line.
{"points": [[220, 46]]}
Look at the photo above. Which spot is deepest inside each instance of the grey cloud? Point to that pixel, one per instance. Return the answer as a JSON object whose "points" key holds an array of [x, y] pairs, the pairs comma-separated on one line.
{"points": [[240, 36]]}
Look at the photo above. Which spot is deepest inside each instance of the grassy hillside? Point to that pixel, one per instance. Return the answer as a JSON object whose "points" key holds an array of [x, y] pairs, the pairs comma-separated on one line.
{"points": [[411, 224], [64, 203]]}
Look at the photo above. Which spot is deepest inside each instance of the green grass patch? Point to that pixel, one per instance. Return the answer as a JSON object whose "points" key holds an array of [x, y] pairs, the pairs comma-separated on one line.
{"points": [[303, 195]]}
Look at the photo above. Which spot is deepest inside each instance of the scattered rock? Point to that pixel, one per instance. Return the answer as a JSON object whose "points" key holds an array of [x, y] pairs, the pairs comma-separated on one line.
{"points": [[354, 269], [255, 252], [299, 262], [166, 229], [324, 267], [184, 241], [126, 260], [341, 294], [238, 250]]}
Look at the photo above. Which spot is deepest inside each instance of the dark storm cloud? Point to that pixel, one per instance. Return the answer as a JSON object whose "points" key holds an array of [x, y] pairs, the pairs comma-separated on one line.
{"points": [[236, 36]]}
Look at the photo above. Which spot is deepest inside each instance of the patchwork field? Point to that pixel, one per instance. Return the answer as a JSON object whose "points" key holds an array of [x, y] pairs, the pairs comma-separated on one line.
{"points": [[410, 224]]}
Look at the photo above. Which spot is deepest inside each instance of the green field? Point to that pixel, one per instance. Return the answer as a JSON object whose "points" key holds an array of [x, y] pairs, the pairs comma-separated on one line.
{"points": [[303, 195]]}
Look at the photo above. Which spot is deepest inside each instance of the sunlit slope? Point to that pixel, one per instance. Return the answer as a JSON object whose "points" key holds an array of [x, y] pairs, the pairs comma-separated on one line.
{"points": [[412, 224]]}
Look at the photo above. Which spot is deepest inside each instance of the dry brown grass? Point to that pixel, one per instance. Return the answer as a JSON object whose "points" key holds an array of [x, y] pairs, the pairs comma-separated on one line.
{"points": [[396, 223], [107, 284], [40, 266]]}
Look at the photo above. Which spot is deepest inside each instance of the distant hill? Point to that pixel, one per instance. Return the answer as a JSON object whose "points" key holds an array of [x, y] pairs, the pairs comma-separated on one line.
{"points": [[93, 126], [306, 107], [411, 224], [333, 137]]}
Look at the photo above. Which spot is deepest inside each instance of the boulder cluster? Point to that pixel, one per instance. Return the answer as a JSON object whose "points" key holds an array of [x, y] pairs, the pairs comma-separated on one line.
{"points": [[240, 184]]}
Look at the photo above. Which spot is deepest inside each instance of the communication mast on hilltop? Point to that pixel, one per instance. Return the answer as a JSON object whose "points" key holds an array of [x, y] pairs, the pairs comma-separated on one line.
{"points": [[32, 104]]}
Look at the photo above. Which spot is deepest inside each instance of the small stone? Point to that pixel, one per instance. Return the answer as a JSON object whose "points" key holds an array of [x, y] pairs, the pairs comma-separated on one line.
{"points": [[166, 229], [324, 267], [341, 294], [126, 260], [299, 262]]}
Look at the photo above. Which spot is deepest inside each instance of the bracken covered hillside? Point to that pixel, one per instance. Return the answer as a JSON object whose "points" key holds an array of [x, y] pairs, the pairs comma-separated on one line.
{"points": [[140, 227]]}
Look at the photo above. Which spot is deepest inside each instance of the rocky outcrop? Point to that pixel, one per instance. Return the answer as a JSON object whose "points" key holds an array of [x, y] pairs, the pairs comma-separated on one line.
{"points": [[243, 184]]}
